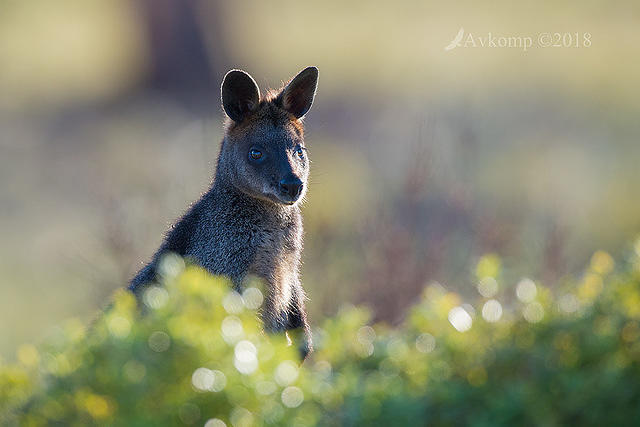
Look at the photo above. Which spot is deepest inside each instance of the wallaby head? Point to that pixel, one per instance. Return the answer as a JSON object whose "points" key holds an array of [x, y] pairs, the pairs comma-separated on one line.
{"points": [[263, 153]]}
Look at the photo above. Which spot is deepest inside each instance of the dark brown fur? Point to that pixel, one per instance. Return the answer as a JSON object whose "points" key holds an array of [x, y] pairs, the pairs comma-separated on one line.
{"points": [[249, 222]]}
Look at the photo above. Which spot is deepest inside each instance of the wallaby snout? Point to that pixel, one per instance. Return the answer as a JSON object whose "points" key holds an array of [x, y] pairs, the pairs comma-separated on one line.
{"points": [[291, 187]]}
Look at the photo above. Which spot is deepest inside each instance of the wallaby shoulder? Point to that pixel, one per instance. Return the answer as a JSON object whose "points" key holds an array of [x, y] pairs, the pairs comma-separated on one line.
{"points": [[177, 240]]}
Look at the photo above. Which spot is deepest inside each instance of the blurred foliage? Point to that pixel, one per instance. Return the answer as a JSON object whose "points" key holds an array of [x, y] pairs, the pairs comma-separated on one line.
{"points": [[195, 355]]}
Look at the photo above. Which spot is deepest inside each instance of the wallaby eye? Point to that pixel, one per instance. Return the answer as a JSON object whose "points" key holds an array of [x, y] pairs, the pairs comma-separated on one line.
{"points": [[255, 154], [300, 151]]}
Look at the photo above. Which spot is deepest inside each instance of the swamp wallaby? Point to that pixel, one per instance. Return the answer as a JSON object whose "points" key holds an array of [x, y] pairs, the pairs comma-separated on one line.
{"points": [[249, 221]]}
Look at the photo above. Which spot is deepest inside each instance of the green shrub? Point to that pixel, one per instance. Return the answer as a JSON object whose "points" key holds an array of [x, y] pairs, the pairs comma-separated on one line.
{"points": [[196, 356]]}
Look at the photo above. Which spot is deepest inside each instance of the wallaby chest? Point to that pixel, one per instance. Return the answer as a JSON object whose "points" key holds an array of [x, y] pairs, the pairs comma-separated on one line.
{"points": [[249, 240], [276, 259], [277, 246]]}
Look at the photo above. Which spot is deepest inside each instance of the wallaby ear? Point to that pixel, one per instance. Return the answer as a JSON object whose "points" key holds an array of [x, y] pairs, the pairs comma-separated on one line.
{"points": [[298, 95], [240, 94]]}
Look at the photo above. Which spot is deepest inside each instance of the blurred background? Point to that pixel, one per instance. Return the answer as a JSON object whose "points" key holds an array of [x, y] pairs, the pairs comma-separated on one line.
{"points": [[110, 125]]}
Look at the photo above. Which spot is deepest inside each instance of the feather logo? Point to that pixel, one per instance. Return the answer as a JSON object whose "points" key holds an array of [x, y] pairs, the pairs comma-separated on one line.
{"points": [[456, 40]]}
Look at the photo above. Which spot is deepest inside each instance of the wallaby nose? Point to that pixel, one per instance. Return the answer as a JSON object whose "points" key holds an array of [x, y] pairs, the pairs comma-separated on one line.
{"points": [[291, 186]]}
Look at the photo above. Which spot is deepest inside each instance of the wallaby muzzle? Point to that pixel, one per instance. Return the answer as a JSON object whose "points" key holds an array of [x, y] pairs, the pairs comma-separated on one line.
{"points": [[291, 187]]}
